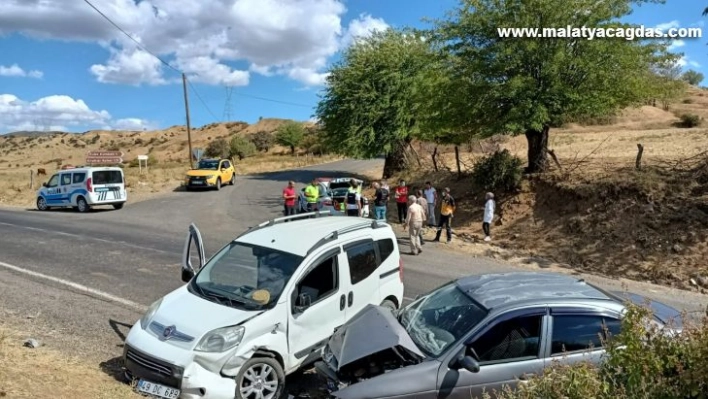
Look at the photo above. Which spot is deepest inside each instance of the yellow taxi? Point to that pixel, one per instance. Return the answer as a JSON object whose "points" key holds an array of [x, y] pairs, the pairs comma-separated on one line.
{"points": [[210, 173]]}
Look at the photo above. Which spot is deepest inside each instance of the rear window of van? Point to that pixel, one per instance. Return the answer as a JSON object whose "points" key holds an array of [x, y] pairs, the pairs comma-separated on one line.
{"points": [[107, 177]]}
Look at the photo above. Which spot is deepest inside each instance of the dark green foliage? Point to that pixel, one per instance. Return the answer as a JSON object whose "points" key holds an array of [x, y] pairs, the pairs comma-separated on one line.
{"points": [[241, 147], [218, 148], [290, 134], [499, 172], [262, 140], [692, 77], [690, 120]]}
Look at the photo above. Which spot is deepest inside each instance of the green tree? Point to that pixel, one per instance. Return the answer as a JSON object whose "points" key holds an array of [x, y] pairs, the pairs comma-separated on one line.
{"points": [[263, 140], [241, 147], [665, 82], [218, 148], [368, 108], [692, 77], [290, 134], [519, 85]]}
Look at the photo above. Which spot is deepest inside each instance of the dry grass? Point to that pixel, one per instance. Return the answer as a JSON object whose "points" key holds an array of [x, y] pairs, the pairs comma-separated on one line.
{"points": [[168, 148], [44, 373]]}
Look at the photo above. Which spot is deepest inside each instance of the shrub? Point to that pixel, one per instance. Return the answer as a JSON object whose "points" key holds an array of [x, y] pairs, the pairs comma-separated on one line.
{"points": [[689, 120], [218, 148], [262, 140], [500, 171], [641, 363], [242, 148]]}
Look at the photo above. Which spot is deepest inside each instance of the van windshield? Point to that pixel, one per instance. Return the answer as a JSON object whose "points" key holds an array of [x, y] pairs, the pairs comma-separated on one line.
{"points": [[107, 177], [246, 276]]}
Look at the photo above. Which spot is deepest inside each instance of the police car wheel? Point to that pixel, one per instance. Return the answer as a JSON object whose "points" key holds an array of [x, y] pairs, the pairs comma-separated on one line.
{"points": [[42, 204], [82, 205]]}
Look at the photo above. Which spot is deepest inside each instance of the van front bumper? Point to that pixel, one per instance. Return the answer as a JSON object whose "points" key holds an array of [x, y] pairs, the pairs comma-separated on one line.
{"points": [[174, 368]]}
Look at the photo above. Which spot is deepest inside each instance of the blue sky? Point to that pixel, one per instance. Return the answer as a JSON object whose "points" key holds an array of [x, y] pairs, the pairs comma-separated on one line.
{"points": [[62, 66]]}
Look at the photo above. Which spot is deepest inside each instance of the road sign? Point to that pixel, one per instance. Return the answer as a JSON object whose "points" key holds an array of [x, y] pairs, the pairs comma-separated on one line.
{"points": [[104, 153], [142, 157], [104, 160]]}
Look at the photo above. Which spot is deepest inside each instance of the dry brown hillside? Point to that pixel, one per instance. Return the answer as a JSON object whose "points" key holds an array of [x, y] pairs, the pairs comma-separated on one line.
{"points": [[598, 213], [167, 148]]}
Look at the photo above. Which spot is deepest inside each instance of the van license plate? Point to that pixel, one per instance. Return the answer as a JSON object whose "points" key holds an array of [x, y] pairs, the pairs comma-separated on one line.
{"points": [[158, 390]]}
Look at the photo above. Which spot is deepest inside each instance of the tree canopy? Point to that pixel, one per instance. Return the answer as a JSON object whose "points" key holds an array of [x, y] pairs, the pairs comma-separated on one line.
{"points": [[528, 85], [692, 77], [290, 134], [368, 107]]}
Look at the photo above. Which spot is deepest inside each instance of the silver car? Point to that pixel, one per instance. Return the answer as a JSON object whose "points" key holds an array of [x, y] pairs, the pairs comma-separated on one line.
{"points": [[475, 334]]}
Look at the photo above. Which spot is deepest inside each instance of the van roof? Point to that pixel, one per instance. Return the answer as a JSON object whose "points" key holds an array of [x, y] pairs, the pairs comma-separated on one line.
{"points": [[89, 168], [298, 236]]}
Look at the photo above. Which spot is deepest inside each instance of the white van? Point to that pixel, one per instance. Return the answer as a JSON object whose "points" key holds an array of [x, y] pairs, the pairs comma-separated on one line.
{"points": [[262, 307], [82, 188]]}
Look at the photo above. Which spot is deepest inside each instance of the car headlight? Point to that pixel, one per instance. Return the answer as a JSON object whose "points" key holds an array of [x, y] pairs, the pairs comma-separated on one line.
{"points": [[221, 339], [145, 320]]}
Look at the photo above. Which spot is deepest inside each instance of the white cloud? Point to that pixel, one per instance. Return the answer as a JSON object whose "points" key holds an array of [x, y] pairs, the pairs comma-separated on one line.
{"points": [[668, 25], [676, 44], [285, 37], [686, 61], [362, 27], [56, 112], [14, 70], [132, 124]]}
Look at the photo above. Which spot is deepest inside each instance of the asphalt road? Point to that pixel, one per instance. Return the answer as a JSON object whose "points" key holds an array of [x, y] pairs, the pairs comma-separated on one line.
{"points": [[134, 255]]}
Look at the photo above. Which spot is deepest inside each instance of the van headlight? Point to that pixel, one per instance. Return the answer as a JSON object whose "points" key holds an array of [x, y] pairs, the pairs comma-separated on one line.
{"points": [[221, 339], [145, 320]]}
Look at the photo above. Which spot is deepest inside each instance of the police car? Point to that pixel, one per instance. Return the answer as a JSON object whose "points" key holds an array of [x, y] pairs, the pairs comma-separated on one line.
{"points": [[82, 188]]}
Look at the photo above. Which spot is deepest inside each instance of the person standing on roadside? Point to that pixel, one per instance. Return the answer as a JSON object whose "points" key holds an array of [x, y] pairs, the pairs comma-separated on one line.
{"points": [[289, 198], [353, 199], [380, 202], [312, 193], [414, 223], [447, 209], [423, 202], [488, 215], [401, 196], [431, 196]]}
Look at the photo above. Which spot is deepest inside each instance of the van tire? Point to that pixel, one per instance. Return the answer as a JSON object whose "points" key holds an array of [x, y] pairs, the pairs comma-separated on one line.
{"points": [[117, 206], [388, 304], [256, 364], [82, 205], [42, 204]]}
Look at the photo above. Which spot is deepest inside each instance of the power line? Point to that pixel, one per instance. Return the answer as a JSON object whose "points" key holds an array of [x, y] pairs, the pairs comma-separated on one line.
{"points": [[131, 37], [272, 100], [201, 100]]}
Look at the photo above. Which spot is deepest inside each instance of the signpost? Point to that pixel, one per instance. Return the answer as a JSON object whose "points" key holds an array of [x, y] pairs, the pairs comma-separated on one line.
{"points": [[104, 157], [142, 158]]}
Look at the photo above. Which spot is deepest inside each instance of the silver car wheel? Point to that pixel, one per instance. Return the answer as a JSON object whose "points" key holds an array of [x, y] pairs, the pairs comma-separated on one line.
{"points": [[260, 381]]}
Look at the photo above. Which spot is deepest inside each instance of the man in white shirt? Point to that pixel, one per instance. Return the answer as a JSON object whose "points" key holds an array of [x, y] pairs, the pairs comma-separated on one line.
{"points": [[414, 223], [431, 196], [488, 215]]}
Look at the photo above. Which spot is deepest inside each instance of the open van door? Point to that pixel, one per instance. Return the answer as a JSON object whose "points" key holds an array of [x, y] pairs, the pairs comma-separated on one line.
{"points": [[192, 255]]}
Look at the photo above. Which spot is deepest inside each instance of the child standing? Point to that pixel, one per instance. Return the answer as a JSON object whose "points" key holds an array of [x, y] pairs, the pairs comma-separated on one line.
{"points": [[488, 215]]}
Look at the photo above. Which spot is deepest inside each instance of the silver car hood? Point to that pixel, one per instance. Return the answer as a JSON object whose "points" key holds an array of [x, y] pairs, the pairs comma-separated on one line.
{"points": [[372, 330]]}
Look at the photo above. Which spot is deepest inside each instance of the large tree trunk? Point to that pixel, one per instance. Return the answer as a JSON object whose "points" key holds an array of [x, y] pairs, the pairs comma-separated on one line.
{"points": [[395, 161], [537, 150]]}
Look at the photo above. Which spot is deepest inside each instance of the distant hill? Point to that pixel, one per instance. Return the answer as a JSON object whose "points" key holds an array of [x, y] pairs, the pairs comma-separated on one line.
{"points": [[30, 133]]}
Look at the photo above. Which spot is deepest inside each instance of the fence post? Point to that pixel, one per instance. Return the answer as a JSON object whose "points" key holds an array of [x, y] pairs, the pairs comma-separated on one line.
{"points": [[31, 179]]}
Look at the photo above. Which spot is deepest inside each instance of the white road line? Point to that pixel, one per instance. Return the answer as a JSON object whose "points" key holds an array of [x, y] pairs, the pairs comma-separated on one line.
{"points": [[56, 232], [79, 287]]}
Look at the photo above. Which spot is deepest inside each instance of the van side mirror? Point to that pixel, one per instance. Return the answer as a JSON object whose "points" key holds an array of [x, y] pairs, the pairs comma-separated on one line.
{"points": [[303, 302], [187, 275]]}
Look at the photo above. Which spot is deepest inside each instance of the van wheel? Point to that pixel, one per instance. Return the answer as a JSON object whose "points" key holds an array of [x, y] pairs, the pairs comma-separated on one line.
{"points": [[82, 205], [117, 206], [42, 204], [218, 184], [388, 304], [260, 377]]}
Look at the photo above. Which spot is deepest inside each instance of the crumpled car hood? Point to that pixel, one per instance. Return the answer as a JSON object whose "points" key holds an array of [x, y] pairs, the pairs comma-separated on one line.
{"points": [[372, 330]]}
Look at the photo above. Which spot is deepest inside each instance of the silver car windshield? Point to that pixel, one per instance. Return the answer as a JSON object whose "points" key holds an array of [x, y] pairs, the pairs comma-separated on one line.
{"points": [[246, 276], [440, 318]]}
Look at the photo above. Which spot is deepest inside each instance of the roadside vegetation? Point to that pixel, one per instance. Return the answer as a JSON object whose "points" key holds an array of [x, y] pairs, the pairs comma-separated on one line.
{"points": [[34, 373], [645, 365]]}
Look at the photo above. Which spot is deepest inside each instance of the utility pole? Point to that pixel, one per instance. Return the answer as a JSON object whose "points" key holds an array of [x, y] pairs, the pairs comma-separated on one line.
{"points": [[186, 109]]}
